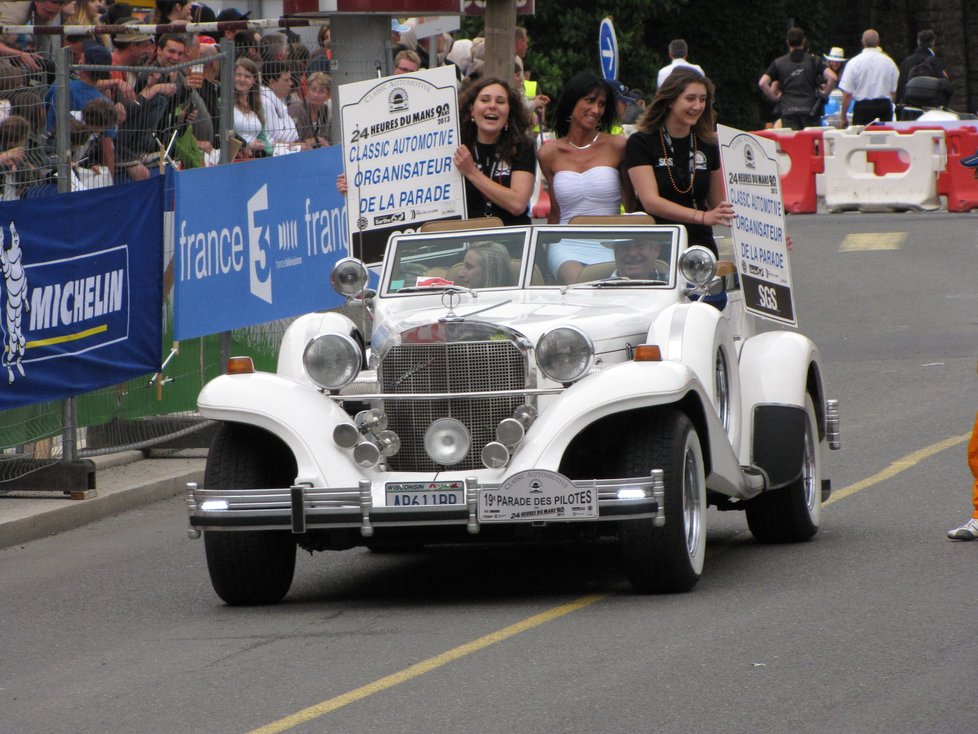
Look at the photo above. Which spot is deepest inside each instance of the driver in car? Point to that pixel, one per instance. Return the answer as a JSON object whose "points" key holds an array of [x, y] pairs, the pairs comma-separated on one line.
{"points": [[638, 259]]}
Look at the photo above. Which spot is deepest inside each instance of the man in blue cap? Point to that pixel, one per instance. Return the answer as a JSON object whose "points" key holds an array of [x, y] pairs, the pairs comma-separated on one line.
{"points": [[81, 91], [230, 14], [397, 28]]}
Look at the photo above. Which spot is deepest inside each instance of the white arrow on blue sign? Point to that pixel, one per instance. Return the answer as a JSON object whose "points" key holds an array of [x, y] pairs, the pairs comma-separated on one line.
{"points": [[608, 50]]}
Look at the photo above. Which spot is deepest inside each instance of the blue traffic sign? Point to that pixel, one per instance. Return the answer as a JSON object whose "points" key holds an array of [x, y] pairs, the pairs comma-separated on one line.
{"points": [[608, 50]]}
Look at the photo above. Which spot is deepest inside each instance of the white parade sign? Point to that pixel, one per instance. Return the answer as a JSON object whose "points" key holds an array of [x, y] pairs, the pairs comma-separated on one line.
{"points": [[537, 495], [753, 185], [399, 135]]}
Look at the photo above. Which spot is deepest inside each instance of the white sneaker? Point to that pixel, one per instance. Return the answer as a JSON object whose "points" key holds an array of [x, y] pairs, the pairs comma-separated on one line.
{"points": [[968, 531]]}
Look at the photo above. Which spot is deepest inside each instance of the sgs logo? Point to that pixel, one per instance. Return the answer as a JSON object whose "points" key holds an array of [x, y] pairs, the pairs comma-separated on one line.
{"points": [[768, 296]]}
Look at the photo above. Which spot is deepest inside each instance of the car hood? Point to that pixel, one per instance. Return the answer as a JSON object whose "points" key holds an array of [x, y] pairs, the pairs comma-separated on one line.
{"points": [[609, 322]]}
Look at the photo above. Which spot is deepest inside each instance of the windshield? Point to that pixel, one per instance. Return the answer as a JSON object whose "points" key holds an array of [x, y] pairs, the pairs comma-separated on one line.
{"points": [[476, 259], [570, 256]]}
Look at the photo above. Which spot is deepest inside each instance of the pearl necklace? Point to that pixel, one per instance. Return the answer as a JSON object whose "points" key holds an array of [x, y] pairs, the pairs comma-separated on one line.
{"points": [[584, 147]]}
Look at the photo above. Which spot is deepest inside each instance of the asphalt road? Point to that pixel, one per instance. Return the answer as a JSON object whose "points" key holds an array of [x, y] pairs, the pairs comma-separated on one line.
{"points": [[868, 628]]}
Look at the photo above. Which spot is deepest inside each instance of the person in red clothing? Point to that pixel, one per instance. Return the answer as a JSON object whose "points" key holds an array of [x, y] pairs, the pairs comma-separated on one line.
{"points": [[969, 531]]}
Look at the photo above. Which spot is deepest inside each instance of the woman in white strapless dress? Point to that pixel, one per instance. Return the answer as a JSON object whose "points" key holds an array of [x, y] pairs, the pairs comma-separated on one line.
{"points": [[583, 169]]}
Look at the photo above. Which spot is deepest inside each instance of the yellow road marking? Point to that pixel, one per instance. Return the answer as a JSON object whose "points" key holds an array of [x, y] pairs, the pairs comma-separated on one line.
{"points": [[425, 666], [869, 241], [68, 337], [900, 465]]}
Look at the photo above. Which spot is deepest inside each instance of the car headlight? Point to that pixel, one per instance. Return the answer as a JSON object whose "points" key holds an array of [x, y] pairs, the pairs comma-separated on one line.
{"points": [[698, 265], [565, 354], [332, 360], [349, 276]]}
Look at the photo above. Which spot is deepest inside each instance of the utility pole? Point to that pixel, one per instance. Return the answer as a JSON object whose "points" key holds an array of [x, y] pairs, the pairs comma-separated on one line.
{"points": [[500, 38]]}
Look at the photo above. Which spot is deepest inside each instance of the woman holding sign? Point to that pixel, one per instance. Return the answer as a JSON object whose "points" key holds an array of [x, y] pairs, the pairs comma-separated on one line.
{"points": [[496, 156], [673, 159]]}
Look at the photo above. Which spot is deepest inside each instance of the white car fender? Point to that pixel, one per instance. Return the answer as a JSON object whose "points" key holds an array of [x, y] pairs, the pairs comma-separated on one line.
{"points": [[295, 412], [303, 330], [617, 389], [774, 369], [694, 334], [621, 388]]}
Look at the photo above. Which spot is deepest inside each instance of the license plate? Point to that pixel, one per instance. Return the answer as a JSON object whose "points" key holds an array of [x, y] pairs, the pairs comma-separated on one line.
{"points": [[425, 494], [537, 495]]}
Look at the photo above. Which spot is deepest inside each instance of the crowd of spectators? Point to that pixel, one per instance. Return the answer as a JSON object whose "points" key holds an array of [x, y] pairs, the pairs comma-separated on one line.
{"points": [[162, 105], [128, 122]]}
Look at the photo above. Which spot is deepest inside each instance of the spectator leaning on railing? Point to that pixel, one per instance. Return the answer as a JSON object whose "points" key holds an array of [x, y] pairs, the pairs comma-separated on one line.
{"points": [[81, 91], [277, 81], [249, 117], [313, 114]]}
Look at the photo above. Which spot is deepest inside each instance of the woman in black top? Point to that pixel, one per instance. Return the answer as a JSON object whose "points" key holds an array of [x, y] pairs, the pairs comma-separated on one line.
{"points": [[673, 159], [497, 156]]}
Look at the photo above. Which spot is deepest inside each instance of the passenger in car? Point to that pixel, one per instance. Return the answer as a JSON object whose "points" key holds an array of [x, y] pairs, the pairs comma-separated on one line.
{"points": [[486, 265], [673, 159], [583, 167]]}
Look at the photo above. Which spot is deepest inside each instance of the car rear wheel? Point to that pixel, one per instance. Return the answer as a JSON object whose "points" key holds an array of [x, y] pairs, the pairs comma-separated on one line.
{"points": [[669, 558], [792, 514], [251, 567]]}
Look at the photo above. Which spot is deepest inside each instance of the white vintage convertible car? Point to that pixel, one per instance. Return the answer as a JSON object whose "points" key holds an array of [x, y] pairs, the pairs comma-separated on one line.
{"points": [[460, 406]]}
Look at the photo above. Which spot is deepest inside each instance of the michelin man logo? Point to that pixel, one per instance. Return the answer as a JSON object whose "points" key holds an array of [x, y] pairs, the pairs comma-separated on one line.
{"points": [[15, 303]]}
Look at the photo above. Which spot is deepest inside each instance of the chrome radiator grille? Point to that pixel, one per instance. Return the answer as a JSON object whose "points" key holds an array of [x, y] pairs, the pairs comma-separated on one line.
{"points": [[449, 368]]}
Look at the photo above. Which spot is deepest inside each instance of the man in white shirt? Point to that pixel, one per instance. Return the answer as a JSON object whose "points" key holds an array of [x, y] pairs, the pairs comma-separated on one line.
{"points": [[279, 125], [677, 52], [871, 80]]}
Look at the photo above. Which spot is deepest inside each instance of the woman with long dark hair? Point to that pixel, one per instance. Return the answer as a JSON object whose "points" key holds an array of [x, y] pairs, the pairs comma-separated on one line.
{"points": [[496, 156], [673, 159], [583, 167]]}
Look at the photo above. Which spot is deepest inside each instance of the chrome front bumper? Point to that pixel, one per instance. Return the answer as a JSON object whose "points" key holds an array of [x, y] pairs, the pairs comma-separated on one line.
{"points": [[300, 509]]}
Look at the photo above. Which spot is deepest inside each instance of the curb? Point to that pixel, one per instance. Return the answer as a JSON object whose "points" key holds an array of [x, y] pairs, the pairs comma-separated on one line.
{"points": [[45, 518]]}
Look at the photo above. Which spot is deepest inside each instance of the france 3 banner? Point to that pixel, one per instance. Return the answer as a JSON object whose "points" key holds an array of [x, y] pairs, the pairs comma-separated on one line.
{"points": [[399, 135], [80, 292], [256, 241], [753, 184]]}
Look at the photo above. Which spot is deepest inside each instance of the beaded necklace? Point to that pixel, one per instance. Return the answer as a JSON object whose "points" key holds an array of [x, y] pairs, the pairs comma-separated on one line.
{"points": [[664, 136], [492, 169]]}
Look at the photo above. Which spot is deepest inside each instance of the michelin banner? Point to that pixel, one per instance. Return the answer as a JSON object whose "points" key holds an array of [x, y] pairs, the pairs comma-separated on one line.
{"points": [[80, 292], [256, 241]]}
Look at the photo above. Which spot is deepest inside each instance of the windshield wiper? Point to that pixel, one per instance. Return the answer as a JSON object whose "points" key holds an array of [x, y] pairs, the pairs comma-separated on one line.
{"points": [[435, 287], [620, 281]]}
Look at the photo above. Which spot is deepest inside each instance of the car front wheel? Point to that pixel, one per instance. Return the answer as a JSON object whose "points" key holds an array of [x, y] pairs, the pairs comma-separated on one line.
{"points": [[669, 558], [251, 567]]}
